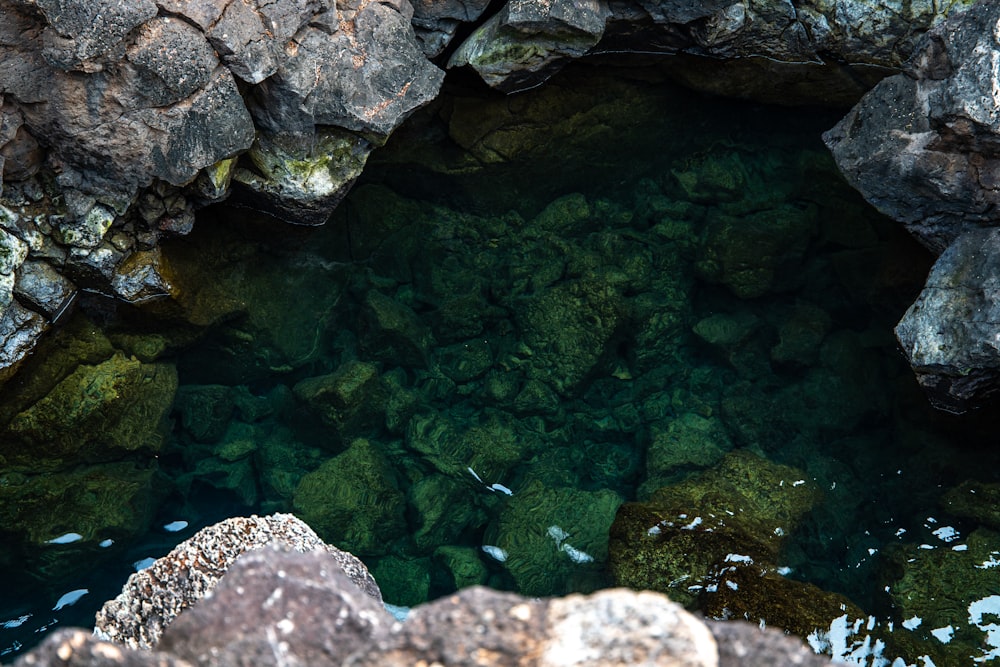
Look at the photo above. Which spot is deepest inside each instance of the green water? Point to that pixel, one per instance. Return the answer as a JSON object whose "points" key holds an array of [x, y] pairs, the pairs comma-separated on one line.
{"points": [[530, 311]]}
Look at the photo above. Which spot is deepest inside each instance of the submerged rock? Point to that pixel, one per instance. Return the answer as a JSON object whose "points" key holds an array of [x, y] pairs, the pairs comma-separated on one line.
{"points": [[353, 500], [687, 536]]}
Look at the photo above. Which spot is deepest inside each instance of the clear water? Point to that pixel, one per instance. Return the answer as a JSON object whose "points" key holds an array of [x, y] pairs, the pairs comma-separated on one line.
{"points": [[483, 345]]}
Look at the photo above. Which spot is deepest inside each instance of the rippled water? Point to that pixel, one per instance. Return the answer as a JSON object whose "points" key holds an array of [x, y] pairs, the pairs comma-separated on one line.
{"points": [[531, 310]]}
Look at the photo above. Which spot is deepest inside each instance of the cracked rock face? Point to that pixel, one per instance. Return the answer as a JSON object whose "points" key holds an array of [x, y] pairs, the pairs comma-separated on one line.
{"points": [[118, 119], [779, 41], [924, 148]]}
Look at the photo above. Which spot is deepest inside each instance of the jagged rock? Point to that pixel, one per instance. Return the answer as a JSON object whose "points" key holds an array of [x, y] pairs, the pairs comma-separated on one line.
{"points": [[19, 332], [276, 606], [152, 598], [529, 41], [44, 289], [948, 334], [786, 46], [922, 145]]}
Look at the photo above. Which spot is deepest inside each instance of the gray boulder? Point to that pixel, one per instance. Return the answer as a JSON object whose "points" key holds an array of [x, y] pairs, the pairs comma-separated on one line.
{"points": [[152, 598], [119, 119], [949, 334], [924, 148]]}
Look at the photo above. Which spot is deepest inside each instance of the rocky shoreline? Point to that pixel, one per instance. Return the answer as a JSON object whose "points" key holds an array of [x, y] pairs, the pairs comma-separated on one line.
{"points": [[118, 120], [276, 595]]}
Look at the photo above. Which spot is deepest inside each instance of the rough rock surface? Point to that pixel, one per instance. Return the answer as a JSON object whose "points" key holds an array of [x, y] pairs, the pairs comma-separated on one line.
{"points": [[119, 119], [153, 597], [264, 612], [924, 148], [822, 42]]}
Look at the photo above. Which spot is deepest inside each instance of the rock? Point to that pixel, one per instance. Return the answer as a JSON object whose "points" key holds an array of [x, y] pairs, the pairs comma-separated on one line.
{"points": [[488, 627], [19, 332], [435, 22], [804, 50], [351, 400], [114, 501], [265, 609], [205, 410], [528, 41], [152, 598], [555, 538], [678, 445], [681, 539], [75, 647], [918, 145], [947, 333], [45, 290], [979, 501], [947, 590], [392, 333], [279, 606], [97, 413], [353, 500]]}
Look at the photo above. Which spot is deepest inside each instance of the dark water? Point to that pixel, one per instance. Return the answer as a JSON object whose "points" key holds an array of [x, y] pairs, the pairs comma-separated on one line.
{"points": [[531, 310]]}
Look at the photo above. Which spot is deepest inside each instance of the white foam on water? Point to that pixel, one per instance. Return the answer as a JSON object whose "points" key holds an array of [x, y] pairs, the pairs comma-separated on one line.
{"points": [[140, 565], [944, 634], [912, 623], [70, 598], [66, 538], [175, 526], [495, 552]]}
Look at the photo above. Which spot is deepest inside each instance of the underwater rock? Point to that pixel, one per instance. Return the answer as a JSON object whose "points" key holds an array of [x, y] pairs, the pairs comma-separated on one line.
{"points": [[567, 329], [351, 400], [462, 564], [678, 445], [403, 581], [481, 451], [947, 596], [948, 333], [353, 500], [96, 502], [152, 598], [677, 541], [391, 332], [97, 413], [555, 538], [979, 501], [753, 254], [445, 508], [205, 410]]}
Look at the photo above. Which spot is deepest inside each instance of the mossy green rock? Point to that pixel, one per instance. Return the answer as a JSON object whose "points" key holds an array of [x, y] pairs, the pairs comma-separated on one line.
{"points": [[353, 502], [671, 543], [490, 446], [391, 332], [975, 500], [205, 410], [758, 252], [556, 539], [679, 445], [567, 329], [114, 501], [948, 587], [403, 581], [445, 507], [463, 564], [351, 400], [97, 413]]}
